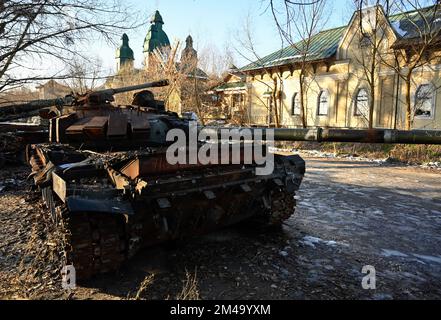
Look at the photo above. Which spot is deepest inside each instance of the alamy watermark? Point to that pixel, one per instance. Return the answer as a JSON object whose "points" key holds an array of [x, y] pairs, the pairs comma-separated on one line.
{"points": [[369, 282], [68, 278], [218, 148]]}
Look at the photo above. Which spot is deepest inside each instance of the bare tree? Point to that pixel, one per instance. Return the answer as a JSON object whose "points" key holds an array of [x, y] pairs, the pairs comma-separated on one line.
{"points": [[417, 46], [371, 51], [33, 32], [419, 49], [246, 48], [298, 21], [188, 83], [85, 75]]}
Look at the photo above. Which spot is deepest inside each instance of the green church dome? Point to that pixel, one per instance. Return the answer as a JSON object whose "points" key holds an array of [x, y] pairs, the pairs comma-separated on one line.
{"points": [[156, 37], [124, 52]]}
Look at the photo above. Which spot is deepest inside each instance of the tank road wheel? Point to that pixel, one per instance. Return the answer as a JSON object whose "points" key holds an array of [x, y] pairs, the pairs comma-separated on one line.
{"points": [[283, 205], [95, 243]]}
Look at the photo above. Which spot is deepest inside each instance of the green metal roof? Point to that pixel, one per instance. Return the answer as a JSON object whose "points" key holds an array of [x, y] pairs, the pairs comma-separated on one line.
{"points": [[322, 45], [156, 18], [411, 24], [156, 37], [325, 44], [124, 52]]}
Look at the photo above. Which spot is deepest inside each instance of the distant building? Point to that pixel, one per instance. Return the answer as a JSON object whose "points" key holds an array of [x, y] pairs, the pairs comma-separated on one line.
{"points": [[124, 55], [156, 45], [52, 89], [232, 95], [156, 39]]}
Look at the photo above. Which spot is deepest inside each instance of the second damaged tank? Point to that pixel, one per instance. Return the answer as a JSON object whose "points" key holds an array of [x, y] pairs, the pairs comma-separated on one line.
{"points": [[105, 175]]}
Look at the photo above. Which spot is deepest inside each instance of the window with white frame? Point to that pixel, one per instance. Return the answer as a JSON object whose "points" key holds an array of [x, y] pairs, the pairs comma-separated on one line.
{"points": [[361, 108], [424, 102], [323, 103], [295, 105]]}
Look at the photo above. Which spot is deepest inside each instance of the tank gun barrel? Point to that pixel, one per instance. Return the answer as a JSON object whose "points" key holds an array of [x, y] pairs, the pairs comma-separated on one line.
{"points": [[16, 111], [156, 84], [343, 135]]}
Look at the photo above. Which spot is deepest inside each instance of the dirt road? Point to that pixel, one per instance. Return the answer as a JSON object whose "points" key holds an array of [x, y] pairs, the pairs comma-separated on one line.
{"points": [[350, 214]]}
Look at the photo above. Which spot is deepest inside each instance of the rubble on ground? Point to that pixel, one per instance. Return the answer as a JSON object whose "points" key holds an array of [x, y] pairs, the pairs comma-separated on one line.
{"points": [[30, 252]]}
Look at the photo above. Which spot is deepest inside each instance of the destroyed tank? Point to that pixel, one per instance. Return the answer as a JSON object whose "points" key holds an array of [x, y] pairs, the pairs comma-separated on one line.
{"points": [[104, 176]]}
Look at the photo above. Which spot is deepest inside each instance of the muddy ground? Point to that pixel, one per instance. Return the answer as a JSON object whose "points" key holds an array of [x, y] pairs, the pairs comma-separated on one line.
{"points": [[350, 214]]}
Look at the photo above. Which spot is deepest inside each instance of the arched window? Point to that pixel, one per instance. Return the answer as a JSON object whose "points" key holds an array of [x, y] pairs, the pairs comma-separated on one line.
{"points": [[424, 103], [323, 103], [295, 105], [362, 104], [365, 41]]}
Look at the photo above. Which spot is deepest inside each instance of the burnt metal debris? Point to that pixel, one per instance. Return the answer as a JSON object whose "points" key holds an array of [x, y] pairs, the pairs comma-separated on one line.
{"points": [[104, 175]]}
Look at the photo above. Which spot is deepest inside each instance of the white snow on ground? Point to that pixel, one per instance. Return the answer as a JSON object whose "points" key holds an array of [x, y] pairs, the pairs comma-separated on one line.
{"points": [[313, 241], [393, 253], [428, 258], [380, 162]]}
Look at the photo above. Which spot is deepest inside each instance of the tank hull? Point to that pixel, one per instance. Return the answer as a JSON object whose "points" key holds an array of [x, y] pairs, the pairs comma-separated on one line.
{"points": [[129, 202]]}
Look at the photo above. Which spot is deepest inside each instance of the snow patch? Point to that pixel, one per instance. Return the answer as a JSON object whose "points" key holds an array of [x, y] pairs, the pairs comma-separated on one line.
{"points": [[428, 258], [313, 241], [397, 26], [283, 253], [393, 253]]}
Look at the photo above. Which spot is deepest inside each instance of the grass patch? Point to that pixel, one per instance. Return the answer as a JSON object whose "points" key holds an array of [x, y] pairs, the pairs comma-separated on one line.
{"points": [[412, 154], [190, 290]]}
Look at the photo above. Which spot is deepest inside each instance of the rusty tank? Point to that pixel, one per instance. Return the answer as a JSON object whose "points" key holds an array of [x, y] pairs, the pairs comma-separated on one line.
{"points": [[104, 175]]}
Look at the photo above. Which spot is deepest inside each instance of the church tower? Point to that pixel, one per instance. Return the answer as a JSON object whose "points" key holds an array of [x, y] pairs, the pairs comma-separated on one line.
{"points": [[124, 55], [156, 38], [189, 54]]}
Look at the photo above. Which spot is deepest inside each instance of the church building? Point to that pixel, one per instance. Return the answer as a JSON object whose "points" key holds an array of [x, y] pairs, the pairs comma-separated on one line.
{"points": [[157, 49]]}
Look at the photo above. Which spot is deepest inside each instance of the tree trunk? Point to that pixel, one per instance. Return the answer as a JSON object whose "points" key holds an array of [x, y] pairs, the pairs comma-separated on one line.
{"points": [[276, 107], [371, 109], [302, 101], [408, 104]]}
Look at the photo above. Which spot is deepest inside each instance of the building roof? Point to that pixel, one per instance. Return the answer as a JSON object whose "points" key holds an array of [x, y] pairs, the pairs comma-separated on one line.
{"points": [[53, 84], [230, 86], [156, 18], [324, 44], [412, 24], [191, 71], [125, 52], [156, 37]]}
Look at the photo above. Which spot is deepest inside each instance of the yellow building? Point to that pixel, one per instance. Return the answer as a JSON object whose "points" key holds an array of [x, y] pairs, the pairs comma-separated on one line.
{"points": [[376, 72], [232, 96]]}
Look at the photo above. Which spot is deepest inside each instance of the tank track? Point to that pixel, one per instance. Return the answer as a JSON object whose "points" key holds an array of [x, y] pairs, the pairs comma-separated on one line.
{"points": [[98, 243], [94, 243], [283, 205]]}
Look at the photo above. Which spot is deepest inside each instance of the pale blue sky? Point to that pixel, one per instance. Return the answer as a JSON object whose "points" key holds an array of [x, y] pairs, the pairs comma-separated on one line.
{"points": [[212, 23]]}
